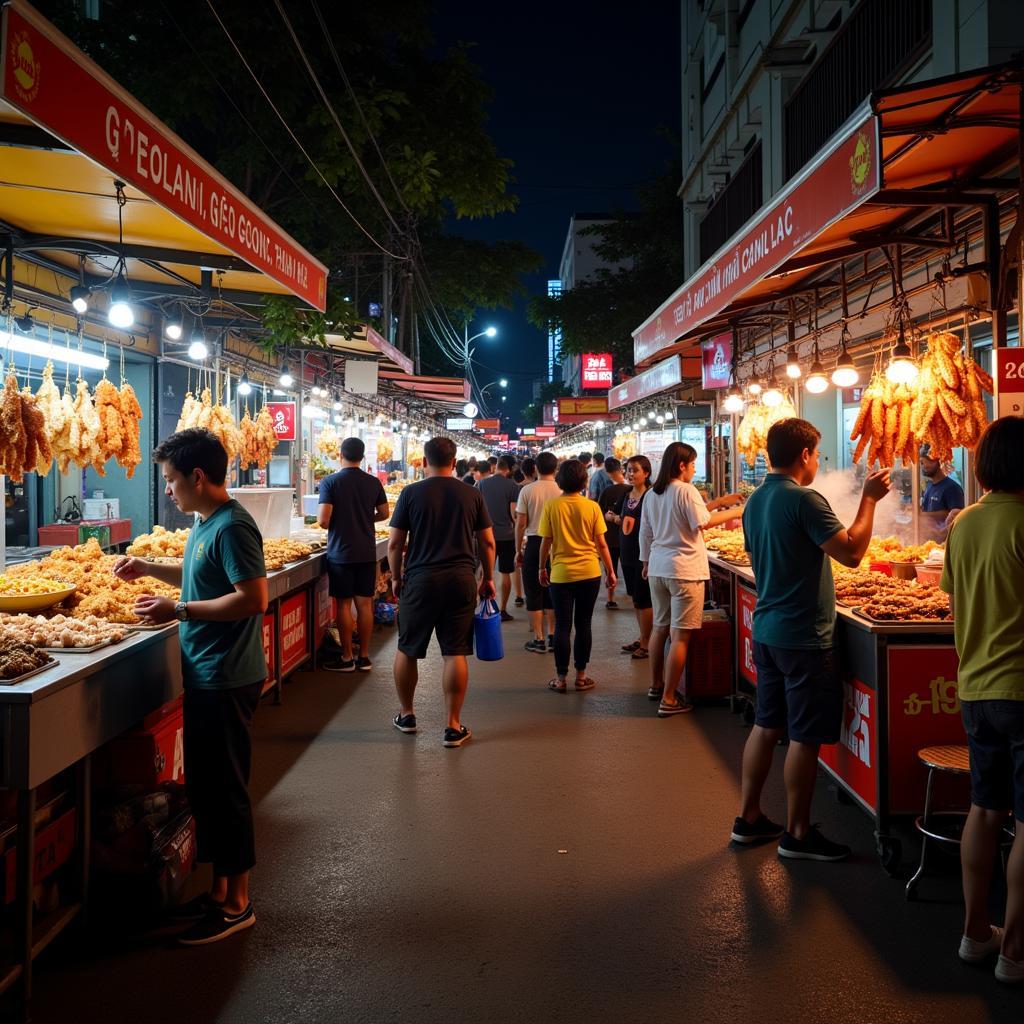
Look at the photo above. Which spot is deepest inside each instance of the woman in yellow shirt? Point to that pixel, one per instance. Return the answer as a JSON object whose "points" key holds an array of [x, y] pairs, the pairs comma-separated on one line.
{"points": [[573, 529]]}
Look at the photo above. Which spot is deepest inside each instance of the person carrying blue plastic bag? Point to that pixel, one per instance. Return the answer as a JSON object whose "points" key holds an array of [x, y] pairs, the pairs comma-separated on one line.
{"points": [[487, 632], [435, 582]]}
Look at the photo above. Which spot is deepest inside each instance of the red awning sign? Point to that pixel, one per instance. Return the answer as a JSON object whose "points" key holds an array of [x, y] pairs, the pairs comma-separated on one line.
{"points": [[594, 407], [51, 81], [282, 416], [596, 371], [660, 377], [848, 174]]}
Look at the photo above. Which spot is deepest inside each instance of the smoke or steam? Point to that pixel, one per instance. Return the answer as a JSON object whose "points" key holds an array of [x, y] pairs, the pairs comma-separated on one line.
{"points": [[893, 515]]}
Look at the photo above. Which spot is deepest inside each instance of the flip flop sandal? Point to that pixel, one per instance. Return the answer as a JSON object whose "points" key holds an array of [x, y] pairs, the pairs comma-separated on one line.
{"points": [[554, 684], [640, 653], [586, 684], [630, 648]]}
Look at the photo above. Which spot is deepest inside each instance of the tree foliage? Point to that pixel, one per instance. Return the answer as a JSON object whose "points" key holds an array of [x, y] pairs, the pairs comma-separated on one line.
{"points": [[533, 414], [600, 313], [416, 119]]}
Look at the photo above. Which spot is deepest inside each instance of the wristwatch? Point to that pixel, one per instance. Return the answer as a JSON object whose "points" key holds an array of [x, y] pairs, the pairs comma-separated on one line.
{"points": [[181, 611]]}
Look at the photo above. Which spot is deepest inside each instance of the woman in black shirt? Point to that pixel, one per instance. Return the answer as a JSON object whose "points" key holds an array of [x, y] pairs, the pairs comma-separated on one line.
{"points": [[627, 516]]}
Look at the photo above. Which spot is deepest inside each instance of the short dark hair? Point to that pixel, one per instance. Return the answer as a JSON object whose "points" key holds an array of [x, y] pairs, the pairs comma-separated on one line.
{"points": [[193, 449], [572, 476], [518, 476], [999, 460], [598, 458], [585, 457], [507, 462], [461, 467], [493, 460], [440, 452], [529, 467], [611, 464], [788, 438], [353, 449], [676, 453], [547, 463], [484, 468]]}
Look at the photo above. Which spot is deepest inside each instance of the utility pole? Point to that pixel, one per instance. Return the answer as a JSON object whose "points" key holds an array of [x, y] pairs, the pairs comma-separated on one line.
{"points": [[385, 307]]}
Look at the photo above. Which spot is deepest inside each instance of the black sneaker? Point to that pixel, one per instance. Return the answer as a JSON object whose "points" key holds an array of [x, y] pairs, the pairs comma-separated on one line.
{"points": [[610, 604], [814, 846], [654, 693], [193, 910], [520, 602], [505, 617], [339, 665], [364, 664], [537, 646], [405, 723], [217, 925], [746, 832], [456, 737]]}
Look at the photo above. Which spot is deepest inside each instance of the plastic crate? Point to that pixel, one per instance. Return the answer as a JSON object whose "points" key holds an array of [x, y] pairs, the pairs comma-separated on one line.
{"points": [[708, 672]]}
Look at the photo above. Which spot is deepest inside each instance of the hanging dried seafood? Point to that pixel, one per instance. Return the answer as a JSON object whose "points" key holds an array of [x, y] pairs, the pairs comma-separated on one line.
{"points": [[752, 434], [328, 443]]}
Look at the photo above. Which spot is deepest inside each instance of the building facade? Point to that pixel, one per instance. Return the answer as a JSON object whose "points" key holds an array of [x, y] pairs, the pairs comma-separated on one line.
{"points": [[766, 83]]}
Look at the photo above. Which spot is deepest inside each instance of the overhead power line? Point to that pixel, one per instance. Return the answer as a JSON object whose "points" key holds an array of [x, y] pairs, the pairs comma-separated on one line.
{"points": [[294, 137]]}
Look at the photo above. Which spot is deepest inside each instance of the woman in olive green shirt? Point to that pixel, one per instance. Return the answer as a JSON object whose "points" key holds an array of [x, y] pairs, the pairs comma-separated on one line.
{"points": [[983, 574]]}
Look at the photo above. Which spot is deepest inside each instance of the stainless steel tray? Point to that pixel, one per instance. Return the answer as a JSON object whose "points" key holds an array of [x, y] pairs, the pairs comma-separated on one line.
{"points": [[28, 675]]}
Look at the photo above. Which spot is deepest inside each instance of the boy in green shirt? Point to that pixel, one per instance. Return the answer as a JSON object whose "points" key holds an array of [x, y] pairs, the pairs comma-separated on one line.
{"points": [[223, 584], [983, 573]]}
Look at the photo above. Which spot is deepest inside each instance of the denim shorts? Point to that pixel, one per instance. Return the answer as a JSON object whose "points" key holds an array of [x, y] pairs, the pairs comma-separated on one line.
{"points": [[799, 690], [995, 736]]}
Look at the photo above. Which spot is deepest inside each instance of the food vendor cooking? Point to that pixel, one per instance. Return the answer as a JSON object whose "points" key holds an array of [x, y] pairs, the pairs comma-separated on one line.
{"points": [[943, 498]]}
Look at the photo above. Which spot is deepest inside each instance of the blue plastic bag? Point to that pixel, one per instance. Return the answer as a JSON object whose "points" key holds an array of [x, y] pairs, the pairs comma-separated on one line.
{"points": [[487, 632]]}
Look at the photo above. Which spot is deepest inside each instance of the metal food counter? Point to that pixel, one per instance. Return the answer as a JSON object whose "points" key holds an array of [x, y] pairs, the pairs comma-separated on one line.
{"points": [[900, 696]]}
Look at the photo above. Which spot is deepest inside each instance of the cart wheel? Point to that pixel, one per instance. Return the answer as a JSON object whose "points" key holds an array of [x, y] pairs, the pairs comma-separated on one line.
{"points": [[890, 853]]}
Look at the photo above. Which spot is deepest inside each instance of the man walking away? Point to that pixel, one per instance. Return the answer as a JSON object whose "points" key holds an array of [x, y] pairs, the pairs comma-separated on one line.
{"points": [[223, 597], [436, 586], [351, 501], [600, 479], [532, 499], [609, 497], [500, 495], [791, 532]]}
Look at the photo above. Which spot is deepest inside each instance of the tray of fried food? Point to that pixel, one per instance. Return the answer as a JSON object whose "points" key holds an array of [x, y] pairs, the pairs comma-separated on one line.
{"points": [[728, 544], [61, 632], [160, 543], [889, 549], [916, 604], [19, 661], [280, 551], [32, 591], [98, 592]]}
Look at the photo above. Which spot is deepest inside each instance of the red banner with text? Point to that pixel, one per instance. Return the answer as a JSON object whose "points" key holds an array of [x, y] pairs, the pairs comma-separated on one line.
{"points": [[282, 416], [294, 632], [596, 372], [746, 600], [854, 759]]}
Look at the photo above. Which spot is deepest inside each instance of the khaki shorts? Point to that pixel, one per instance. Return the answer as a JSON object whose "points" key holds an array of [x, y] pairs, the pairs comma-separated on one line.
{"points": [[678, 604]]}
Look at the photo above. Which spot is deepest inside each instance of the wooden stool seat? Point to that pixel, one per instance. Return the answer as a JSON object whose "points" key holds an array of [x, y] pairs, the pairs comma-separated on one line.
{"points": [[954, 759]]}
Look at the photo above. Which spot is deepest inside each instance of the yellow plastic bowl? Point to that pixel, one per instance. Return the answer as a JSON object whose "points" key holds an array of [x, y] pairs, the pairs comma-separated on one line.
{"points": [[33, 602]]}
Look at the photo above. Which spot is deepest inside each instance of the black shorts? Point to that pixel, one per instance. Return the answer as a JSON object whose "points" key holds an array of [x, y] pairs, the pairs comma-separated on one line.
{"points": [[538, 598], [351, 579], [505, 555], [636, 586], [437, 602], [799, 690], [995, 736]]}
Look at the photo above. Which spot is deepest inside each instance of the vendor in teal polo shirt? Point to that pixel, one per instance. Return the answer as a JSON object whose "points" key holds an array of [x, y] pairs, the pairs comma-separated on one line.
{"points": [[223, 583]]}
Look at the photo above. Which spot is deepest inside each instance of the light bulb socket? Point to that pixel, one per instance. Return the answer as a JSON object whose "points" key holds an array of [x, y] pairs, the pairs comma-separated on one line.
{"points": [[80, 298]]}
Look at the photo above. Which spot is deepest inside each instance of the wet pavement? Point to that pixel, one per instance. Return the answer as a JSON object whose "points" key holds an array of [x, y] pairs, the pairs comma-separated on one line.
{"points": [[570, 863]]}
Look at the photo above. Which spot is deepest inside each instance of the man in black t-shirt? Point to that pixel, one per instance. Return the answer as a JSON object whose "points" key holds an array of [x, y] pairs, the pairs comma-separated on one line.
{"points": [[608, 499], [500, 496], [351, 501], [437, 589]]}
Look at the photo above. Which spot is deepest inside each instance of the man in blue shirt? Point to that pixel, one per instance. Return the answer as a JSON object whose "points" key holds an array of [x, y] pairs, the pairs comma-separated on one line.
{"points": [[600, 480], [942, 495], [791, 532], [223, 584]]}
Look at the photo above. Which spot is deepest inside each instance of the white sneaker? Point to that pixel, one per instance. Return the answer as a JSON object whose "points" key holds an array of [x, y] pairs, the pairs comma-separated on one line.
{"points": [[973, 952], [1009, 971]]}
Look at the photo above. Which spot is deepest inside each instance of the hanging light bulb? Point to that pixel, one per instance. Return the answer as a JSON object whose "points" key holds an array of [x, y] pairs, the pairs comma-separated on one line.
{"points": [[244, 387], [659, 419], [120, 313], [902, 369], [643, 421], [754, 387], [173, 329], [733, 400], [816, 381], [286, 380], [845, 374], [669, 414], [772, 395], [197, 350], [80, 298], [337, 406], [793, 370]]}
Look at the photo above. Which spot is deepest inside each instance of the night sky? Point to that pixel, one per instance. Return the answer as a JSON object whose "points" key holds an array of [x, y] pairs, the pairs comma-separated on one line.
{"points": [[580, 93]]}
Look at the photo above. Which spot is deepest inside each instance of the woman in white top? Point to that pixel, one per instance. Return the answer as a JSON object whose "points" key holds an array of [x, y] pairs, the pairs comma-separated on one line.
{"points": [[675, 562]]}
